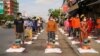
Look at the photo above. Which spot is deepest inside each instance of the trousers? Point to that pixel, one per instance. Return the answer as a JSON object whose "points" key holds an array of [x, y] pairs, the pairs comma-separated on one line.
{"points": [[51, 36]]}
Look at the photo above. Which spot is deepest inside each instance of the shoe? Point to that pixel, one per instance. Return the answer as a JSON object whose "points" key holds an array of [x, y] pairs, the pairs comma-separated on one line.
{"points": [[86, 47], [15, 46]]}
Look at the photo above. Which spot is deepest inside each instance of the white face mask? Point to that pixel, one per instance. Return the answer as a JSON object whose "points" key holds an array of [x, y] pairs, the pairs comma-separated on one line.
{"points": [[84, 19], [77, 16], [20, 16], [51, 19]]}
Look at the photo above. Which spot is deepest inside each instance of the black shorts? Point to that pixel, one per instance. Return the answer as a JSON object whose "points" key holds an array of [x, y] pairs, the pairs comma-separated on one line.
{"points": [[19, 29]]}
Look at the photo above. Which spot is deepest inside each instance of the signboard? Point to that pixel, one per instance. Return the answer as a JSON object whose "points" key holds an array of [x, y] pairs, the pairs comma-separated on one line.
{"points": [[73, 1], [65, 8], [1, 7]]}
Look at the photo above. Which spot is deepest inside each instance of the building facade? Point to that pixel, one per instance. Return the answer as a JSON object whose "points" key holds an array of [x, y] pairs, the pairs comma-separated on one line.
{"points": [[84, 7], [72, 5], [11, 7]]}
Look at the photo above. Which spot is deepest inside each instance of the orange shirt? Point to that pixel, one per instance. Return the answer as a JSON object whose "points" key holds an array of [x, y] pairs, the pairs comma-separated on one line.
{"points": [[72, 20], [51, 26], [76, 23], [98, 23]]}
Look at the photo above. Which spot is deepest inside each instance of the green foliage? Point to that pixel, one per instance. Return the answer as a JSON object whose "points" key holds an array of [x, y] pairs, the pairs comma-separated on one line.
{"points": [[55, 12], [6, 17], [2, 17], [50, 10], [9, 17]]}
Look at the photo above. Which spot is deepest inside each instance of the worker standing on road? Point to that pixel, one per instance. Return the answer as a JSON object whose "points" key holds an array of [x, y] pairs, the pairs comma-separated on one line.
{"points": [[19, 28], [70, 26], [98, 28], [76, 26], [39, 24], [66, 25], [28, 30], [90, 25], [84, 34], [51, 29], [34, 25]]}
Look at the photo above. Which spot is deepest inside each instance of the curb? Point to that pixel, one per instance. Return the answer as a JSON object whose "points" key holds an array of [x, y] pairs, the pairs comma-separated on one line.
{"points": [[72, 46]]}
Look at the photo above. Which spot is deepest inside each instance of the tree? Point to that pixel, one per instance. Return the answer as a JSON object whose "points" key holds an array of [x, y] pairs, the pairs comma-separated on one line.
{"points": [[55, 12], [9, 17], [2, 17], [50, 10]]}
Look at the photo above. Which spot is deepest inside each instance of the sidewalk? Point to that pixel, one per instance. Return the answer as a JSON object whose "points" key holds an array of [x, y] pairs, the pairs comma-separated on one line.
{"points": [[94, 45]]}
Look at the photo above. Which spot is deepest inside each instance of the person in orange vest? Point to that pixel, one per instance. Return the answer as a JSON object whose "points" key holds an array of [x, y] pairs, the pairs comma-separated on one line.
{"points": [[98, 28], [70, 26], [51, 29], [76, 26]]}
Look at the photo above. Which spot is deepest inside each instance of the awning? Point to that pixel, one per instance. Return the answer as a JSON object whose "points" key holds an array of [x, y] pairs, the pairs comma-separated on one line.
{"points": [[74, 12], [73, 7], [97, 2]]}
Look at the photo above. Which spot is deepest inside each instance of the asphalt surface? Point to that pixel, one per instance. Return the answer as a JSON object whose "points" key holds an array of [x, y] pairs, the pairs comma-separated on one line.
{"points": [[7, 37]]}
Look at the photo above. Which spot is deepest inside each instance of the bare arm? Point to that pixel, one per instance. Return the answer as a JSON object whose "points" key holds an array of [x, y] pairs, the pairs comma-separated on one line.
{"points": [[14, 26]]}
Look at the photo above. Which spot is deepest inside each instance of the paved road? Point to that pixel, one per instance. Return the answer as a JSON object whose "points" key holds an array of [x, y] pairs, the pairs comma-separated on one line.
{"points": [[6, 38], [37, 49]]}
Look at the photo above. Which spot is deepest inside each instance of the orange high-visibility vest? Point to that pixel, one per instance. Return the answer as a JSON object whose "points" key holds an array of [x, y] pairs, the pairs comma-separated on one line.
{"points": [[76, 23], [98, 23], [51, 26]]}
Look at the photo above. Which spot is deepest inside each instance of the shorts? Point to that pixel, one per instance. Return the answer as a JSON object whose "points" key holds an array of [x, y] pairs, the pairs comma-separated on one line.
{"points": [[20, 36]]}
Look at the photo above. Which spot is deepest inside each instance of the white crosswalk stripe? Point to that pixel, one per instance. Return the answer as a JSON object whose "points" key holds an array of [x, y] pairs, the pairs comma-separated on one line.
{"points": [[62, 31], [98, 41], [54, 50], [87, 50], [15, 50], [75, 42], [28, 42]]}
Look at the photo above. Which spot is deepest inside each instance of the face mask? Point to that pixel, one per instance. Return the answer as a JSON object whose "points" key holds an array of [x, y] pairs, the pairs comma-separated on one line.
{"points": [[51, 19], [20, 16], [84, 20], [77, 16]]}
